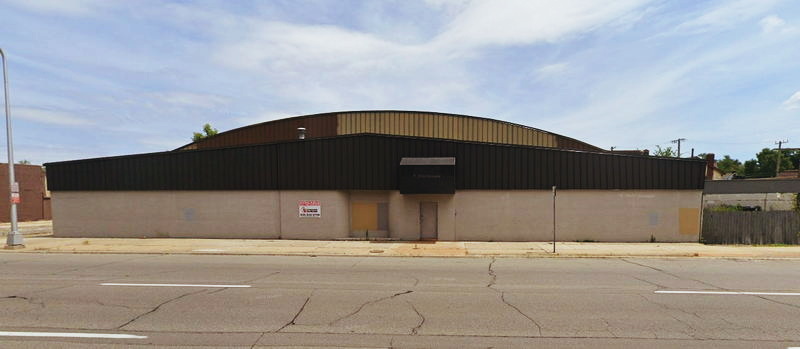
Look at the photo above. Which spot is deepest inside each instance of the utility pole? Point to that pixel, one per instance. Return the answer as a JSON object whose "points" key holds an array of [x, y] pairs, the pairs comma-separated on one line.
{"points": [[14, 238], [679, 140], [554, 219], [778, 163]]}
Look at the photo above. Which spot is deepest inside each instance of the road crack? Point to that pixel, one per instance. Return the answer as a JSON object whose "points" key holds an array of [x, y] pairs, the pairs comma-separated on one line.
{"points": [[261, 277], [159, 307], [670, 274], [95, 266], [492, 275], [258, 340], [665, 309], [415, 330], [650, 282], [298, 313], [538, 326], [362, 306], [15, 297], [491, 284], [778, 302]]}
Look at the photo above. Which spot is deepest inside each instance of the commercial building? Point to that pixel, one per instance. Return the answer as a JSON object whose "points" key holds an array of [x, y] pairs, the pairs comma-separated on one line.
{"points": [[34, 202], [389, 174]]}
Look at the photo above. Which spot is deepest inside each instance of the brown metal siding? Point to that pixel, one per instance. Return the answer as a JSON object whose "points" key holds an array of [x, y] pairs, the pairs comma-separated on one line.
{"points": [[322, 125], [455, 127], [370, 162], [402, 123]]}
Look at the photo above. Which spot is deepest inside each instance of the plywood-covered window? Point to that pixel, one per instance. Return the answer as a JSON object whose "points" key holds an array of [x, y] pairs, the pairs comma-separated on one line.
{"points": [[369, 216]]}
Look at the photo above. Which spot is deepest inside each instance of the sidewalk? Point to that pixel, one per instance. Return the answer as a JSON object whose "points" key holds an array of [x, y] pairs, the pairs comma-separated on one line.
{"points": [[29, 228], [47, 244], [38, 239]]}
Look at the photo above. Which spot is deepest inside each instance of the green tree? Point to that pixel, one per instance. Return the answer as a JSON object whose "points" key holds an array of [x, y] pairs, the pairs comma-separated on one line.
{"points": [[729, 165], [208, 131], [766, 160], [665, 152], [24, 162]]}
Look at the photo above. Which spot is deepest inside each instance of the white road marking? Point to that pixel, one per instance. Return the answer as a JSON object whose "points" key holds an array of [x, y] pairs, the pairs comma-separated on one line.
{"points": [[208, 250], [71, 335], [172, 285], [734, 292]]}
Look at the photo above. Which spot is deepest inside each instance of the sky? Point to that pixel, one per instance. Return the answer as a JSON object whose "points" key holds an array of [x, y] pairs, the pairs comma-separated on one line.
{"points": [[101, 78]]}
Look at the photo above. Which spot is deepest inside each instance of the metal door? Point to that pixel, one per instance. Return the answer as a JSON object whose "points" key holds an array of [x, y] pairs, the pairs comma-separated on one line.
{"points": [[428, 220]]}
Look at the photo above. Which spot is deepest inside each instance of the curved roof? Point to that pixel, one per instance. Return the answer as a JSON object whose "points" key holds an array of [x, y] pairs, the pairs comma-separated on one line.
{"points": [[392, 122]]}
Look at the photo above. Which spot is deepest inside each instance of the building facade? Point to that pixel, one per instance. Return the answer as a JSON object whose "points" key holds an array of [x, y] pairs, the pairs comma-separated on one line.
{"points": [[435, 181], [34, 199]]}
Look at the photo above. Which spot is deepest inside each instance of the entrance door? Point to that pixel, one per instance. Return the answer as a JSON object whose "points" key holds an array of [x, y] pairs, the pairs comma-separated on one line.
{"points": [[428, 220]]}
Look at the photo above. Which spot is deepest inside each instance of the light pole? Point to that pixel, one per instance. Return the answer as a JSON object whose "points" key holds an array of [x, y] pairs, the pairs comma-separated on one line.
{"points": [[14, 237]]}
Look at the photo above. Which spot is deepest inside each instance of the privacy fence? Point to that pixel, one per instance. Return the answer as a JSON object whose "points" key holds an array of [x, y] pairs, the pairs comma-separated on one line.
{"points": [[756, 227]]}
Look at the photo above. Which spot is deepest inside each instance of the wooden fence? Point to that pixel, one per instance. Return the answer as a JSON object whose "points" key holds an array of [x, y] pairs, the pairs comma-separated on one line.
{"points": [[751, 228]]}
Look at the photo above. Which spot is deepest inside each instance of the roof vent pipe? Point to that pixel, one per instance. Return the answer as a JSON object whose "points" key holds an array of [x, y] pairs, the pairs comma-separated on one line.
{"points": [[301, 133]]}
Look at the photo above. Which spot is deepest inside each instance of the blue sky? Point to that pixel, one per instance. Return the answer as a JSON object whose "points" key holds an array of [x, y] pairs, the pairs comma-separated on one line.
{"points": [[98, 78]]}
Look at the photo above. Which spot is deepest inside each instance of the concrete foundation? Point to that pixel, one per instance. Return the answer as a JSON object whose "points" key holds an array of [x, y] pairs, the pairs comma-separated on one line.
{"points": [[468, 215]]}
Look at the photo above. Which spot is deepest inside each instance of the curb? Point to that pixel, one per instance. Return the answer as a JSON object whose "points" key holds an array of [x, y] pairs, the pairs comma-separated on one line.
{"points": [[528, 256]]}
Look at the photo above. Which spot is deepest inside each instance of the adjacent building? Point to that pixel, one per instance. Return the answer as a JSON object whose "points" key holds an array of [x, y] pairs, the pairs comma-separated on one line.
{"points": [[34, 202], [381, 174]]}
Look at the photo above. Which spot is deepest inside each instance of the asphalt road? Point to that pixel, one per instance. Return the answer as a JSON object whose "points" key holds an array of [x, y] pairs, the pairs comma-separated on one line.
{"points": [[395, 302]]}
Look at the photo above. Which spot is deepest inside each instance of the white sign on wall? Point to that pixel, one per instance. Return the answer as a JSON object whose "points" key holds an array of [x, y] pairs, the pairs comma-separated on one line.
{"points": [[309, 208]]}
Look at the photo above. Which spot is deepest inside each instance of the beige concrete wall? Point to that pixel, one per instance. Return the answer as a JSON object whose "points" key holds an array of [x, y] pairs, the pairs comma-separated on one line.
{"points": [[479, 215], [599, 215], [202, 214], [404, 216], [335, 220], [501, 215]]}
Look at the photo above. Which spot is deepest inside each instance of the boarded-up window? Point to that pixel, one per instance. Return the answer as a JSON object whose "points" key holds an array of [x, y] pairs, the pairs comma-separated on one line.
{"points": [[369, 216]]}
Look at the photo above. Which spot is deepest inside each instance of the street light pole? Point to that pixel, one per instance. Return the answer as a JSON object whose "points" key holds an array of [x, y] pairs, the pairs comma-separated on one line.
{"points": [[14, 237]]}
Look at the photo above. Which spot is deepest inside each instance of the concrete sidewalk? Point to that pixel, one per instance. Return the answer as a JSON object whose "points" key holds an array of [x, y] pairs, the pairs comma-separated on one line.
{"points": [[32, 228], [48, 244], [38, 239]]}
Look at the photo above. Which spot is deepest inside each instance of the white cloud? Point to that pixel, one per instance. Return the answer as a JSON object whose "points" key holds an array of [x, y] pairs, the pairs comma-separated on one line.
{"points": [[793, 102], [551, 69], [283, 47], [726, 16], [339, 68], [773, 24], [519, 22], [632, 98], [199, 100], [49, 116]]}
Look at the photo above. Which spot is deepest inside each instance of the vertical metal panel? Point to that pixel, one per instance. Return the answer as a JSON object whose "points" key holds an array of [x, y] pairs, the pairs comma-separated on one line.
{"points": [[370, 162]]}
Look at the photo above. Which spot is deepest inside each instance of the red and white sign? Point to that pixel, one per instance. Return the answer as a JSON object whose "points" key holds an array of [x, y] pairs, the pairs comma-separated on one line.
{"points": [[15, 198], [309, 209]]}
